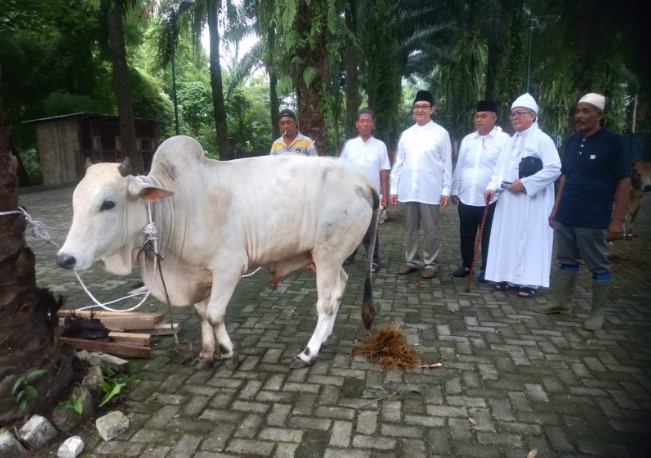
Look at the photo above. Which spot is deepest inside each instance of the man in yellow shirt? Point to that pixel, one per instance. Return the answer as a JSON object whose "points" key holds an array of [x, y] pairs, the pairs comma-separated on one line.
{"points": [[292, 141]]}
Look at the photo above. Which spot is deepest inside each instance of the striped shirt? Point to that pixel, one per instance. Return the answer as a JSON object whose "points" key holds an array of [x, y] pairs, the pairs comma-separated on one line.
{"points": [[301, 145]]}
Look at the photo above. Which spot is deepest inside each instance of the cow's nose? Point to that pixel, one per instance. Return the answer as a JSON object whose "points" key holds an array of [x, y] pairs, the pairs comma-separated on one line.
{"points": [[66, 261]]}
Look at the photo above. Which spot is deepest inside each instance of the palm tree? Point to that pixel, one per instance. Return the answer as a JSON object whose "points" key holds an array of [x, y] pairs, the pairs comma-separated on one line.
{"points": [[29, 342], [114, 12]]}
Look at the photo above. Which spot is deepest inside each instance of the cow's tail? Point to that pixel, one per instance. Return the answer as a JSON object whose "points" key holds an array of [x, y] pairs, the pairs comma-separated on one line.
{"points": [[368, 311]]}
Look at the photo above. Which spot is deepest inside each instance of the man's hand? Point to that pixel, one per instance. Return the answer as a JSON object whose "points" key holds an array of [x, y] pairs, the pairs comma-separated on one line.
{"points": [[384, 201], [394, 199], [455, 200], [444, 201], [552, 217], [516, 187], [615, 231], [488, 196]]}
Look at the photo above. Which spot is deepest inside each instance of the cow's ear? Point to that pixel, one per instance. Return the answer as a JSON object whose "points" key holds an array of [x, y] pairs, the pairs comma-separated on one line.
{"points": [[154, 194], [138, 187]]}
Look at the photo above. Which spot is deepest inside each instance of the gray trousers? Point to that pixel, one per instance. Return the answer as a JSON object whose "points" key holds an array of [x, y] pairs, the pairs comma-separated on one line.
{"points": [[575, 244], [419, 215]]}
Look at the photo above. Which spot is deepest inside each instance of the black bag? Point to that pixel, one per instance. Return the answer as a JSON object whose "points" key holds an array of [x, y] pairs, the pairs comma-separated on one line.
{"points": [[530, 165]]}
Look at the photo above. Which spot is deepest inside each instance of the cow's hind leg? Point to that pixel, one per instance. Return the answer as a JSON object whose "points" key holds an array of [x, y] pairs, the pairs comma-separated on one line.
{"points": [[330, 287], [344, 279]]}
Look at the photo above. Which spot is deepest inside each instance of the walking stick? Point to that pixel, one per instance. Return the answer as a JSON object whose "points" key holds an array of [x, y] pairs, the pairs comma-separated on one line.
{"points": [[474, 257]]}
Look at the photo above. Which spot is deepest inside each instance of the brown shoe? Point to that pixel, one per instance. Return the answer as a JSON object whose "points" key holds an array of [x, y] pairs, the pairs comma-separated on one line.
{"points": [[428, 272], [406, 270]]}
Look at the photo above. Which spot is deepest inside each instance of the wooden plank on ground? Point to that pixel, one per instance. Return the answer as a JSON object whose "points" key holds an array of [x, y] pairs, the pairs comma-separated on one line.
{"points": [[115, 363], [113, 348], [120, 320], [163, 329], [130, 338]]}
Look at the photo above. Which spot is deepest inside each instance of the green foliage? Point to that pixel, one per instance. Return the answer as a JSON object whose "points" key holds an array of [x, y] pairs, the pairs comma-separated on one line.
{"points": [[31, 161], [113, 384], [25, 393], [194, 99], [75, 403], [62, 103]]}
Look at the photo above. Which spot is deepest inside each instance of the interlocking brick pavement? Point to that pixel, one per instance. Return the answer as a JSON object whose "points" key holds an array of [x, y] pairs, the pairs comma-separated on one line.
{"points": [[511, 380]]}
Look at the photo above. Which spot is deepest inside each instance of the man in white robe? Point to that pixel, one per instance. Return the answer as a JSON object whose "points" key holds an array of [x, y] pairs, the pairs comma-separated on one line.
{"points": [[521, 240]]}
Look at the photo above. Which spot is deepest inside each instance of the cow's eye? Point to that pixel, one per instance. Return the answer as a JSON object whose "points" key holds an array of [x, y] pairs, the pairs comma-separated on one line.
{"points": [[107, 205]]}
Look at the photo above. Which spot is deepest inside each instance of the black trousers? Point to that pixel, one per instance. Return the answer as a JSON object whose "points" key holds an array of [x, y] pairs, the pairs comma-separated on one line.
{"points": [[469, 222]]}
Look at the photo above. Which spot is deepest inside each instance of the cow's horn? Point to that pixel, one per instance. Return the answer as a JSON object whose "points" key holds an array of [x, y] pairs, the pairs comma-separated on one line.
{"points": [[88, 163], [125, 167]]}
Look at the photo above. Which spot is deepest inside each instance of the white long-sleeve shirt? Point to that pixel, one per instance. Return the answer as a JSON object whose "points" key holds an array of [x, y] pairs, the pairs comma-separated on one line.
{"points": [[422, 171], [370, 156], [478, 156]]}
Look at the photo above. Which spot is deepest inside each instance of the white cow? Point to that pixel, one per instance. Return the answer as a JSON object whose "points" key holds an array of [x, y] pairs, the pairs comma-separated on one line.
{"points": [[216, 220]]}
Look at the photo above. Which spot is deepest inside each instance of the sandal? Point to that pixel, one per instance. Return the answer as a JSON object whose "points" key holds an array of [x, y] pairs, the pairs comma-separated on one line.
{"points": [[526, 292], [502, 286]]}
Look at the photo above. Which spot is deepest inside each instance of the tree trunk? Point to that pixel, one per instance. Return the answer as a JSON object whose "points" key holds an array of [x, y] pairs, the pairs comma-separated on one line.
{"points": [[28, 322], [121, 85], [310, 108], [352, 73], [274, 105], [216, 82]]}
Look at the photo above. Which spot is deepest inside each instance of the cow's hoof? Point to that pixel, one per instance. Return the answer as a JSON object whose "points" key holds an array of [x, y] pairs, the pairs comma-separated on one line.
{"points": [[232, 362], [298, 363], [203, 364]]}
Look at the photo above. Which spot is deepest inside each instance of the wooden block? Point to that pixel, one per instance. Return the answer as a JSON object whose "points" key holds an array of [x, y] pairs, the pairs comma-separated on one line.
{"points": [[164, 329], [113, 348], [115, 363], [119, 320], [130, 338]]}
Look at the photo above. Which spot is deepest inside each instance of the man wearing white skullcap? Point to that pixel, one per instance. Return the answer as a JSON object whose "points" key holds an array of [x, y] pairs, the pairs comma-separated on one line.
{"points": [[520, 246], [595, 173]]}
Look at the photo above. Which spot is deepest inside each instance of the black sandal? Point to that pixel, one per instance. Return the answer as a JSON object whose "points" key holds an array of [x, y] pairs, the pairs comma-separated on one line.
{"points": [[526, 293], [502, 286]]}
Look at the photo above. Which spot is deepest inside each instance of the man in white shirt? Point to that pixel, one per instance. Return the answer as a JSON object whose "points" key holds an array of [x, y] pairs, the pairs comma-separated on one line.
{"points": [[370, 155], [477, 158], [521, 239], [421, 180]]}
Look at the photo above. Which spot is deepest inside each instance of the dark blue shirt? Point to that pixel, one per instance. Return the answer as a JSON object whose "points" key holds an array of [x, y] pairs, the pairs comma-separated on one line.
{"points": [[592, 166]]}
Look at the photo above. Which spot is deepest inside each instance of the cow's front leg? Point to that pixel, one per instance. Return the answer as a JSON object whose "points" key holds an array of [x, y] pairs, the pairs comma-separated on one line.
{"points": [[330, 288], [207, 336], [211, 316]]}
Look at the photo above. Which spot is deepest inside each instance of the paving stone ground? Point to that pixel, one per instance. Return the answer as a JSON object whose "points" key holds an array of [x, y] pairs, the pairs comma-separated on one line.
{"points": [[511, 381]]}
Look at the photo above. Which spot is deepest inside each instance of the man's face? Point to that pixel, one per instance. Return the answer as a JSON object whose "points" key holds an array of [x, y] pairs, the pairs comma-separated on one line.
{"points": [[484, 121], [422, 112], [288, 125], [522, 118], [365, 125], [587, 117]]}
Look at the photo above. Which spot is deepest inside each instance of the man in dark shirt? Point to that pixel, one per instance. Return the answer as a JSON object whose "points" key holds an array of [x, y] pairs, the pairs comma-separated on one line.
{"points": [[595, 172]]}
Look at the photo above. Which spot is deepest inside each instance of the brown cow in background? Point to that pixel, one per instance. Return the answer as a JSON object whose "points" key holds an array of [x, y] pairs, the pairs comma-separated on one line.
{"points": [[640, 183]]}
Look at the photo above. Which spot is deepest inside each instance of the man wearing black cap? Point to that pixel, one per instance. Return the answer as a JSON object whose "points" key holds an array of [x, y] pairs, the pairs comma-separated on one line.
{"points": [[421, 179], [478, 155], [292, 141]]}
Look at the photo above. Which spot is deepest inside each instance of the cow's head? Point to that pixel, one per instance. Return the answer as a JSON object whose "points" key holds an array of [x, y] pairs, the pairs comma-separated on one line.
{"points": [[108, 218], [641, 175]]}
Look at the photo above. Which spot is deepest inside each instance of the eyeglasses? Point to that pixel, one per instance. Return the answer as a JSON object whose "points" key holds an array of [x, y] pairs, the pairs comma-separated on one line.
{"points": [[517, 114], [422, 107]]}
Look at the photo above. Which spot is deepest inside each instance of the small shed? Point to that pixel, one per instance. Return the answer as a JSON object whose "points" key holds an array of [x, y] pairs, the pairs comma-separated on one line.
{"points": [[64, 143]]}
